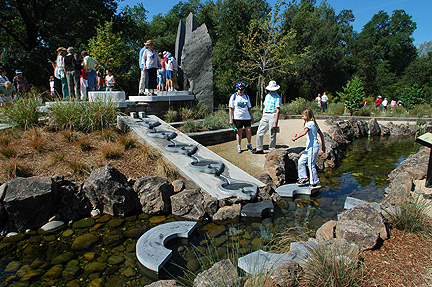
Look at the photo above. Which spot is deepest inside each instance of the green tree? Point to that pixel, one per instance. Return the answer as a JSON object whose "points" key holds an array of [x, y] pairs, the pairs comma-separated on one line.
{"points": [[387, 40], [353, 94], [264, 50], [321, 39], [411, 96], [110, 50]]}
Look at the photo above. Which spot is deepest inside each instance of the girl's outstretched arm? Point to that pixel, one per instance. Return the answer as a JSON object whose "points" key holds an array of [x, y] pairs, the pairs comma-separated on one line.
{"points": [[304, 132]]}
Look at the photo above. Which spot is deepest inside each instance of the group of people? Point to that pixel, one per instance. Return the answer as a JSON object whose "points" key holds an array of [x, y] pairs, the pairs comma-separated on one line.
{"points": [[322, 101], [9, 90], [158, 70], [240, 115], [384, 103], [74, 74]]}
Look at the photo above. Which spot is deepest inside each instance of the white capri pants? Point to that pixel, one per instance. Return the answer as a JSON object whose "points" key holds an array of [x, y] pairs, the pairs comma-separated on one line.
{"points": [[309, 156]]}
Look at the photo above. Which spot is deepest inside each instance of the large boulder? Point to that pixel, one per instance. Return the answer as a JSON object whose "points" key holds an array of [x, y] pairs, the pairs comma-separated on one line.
{"points": [[197, 64], [358, 232], [374, 128], [154, 194], [368, 214], [193, 204], [398, 130], [360, 128], [164, 283], [398, 190], [29, 202], [275, 165], [72, 202], [326, 231], [223, 273], [415, 165], [109, 191], [228, 213], [347, 130], [337, 134]]}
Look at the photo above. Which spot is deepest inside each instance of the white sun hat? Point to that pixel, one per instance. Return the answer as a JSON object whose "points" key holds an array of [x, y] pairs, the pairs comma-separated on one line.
{"points": [[272, 86]]}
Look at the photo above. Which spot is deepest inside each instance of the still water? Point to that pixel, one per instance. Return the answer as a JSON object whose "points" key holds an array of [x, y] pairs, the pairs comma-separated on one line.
{"points": [[49, 260]]}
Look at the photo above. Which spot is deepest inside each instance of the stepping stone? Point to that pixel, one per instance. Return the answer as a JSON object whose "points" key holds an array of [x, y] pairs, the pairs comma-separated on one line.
{"points": [[259, 260], [256, 209], [53, 226], [292, 189], [351, 202], [178, 147], [207, 166], [150, 248], [240, 189], [168, 135]]}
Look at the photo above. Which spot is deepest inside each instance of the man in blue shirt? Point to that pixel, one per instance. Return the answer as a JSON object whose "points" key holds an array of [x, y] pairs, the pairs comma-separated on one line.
{"points": [[269, 118]]}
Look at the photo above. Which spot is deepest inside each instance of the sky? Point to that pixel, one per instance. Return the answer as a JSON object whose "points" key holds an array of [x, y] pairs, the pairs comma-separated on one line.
{"points": [[363, 10]]}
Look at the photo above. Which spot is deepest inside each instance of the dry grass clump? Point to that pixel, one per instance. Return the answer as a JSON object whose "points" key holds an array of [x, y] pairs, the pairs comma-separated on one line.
{"points": [[84, 144], [163, 169], [111, 151], [336, 263], [127, 142], [8, 151], [39, 144], [412, 216], [109, 135], [79, 167], [150, 153], [14, 168], [70, 136], [55, 157]]}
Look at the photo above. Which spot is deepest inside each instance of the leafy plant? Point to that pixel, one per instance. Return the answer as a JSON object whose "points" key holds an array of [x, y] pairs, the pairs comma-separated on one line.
{"points": [[70, 136], [335, 109], [411, 96], [353, 94], [171, 116]]}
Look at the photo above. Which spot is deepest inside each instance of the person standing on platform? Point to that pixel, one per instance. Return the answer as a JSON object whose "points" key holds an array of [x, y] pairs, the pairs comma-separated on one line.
{"points": [[270, 118], [141, 89], [151, 62], [90, 66]]}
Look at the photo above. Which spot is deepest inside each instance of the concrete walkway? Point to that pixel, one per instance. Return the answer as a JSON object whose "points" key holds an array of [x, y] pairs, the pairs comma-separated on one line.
{"points": [[254, 163]]}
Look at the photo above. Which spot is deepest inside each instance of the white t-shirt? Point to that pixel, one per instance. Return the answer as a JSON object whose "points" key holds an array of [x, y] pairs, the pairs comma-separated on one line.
{"points": [[312, 135], [241, 105], [109, 80], [324, 98], [385, 103], [150, 59]]}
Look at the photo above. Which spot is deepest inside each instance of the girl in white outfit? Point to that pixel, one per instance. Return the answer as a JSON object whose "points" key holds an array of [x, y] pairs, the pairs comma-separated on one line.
{"points": [[311, 130]]}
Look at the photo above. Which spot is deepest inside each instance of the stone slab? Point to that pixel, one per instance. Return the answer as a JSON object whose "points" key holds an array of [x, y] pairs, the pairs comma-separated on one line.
{"points": [[209, 183], [53, 225], [292, 189], [351, 202], [256, 209], [260, 261], [150, 248]]}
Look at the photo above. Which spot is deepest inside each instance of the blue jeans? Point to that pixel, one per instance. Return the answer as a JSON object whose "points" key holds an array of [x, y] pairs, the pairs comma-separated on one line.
{"points": [[73, 79], [91, 78]]}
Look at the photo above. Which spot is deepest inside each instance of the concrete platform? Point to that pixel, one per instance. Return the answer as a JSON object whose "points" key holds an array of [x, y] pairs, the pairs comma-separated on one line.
{"points": [[292, 189], [150, 248], [163, 97], [351, 202], [208, 182], [118, 97], [260, 261]]}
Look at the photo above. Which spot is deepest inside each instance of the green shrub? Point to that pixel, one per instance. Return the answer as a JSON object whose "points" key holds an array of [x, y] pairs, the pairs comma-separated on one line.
{"points": [[127, 142], [295, 107], [186, 114], [191, 126], [400, 112], [219, 120], [335, 109], [23, 112], [411, 216], [257, 115], [421, 111], [171, 116], [363, 112]]}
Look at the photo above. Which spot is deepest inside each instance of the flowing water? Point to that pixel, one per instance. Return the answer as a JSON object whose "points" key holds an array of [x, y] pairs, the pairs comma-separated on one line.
{"points": [[48, 260]]}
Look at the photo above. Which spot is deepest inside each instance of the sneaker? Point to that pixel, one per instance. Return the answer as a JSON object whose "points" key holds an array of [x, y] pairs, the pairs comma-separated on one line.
{"points": [[302, 181], [249, 147], [238, 149], [255, 151], [315, 186]]}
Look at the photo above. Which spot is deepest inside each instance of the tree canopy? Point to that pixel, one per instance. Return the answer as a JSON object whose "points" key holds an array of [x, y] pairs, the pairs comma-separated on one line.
{"points": [[307, 48]]}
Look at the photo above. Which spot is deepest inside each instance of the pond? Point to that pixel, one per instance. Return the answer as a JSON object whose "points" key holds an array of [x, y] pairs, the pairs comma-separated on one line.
{"points": [[48, 260]]}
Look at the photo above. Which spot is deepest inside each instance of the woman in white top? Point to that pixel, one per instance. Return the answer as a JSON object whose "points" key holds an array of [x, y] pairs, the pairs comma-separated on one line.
{"points": [[151, 62], [240, 114], [109, 81]]}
